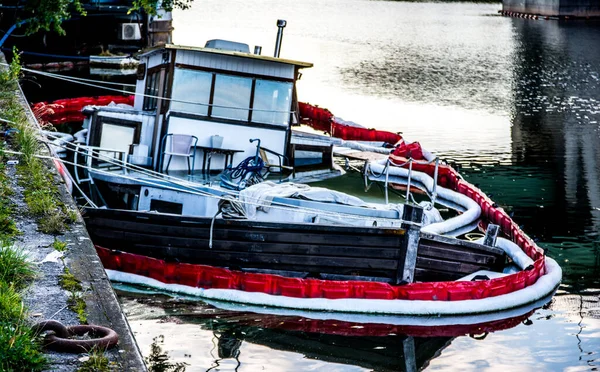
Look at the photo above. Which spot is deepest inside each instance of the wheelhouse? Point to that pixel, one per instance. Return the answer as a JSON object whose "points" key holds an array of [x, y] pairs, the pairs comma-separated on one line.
{"points": [[221, 94]]}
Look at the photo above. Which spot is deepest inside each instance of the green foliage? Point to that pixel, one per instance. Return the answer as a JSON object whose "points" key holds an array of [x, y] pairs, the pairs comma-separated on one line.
{"points": [[59, 246], [41, 195], [13, 72], [11, 305], [19, 348], [14, 267], [28, 143], [69, 282], [71, 214], [8, 228], [97, 362], [158, 360], [49, 14], [76, 303], [151, 6], [10, 76]]}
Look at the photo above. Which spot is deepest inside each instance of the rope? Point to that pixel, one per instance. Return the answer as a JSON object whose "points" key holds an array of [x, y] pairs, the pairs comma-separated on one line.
{"points": [[75, 78], [191, 187], [122, 91], [229, 208]]}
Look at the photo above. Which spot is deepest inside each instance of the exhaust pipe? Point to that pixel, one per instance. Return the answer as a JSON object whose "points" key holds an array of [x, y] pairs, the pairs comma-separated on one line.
{"points": [[281, 23]]}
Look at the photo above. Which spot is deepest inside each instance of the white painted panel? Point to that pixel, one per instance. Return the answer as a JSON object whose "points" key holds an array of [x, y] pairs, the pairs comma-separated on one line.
{"points": [[235, 63], [192, 205], [234, 137], [154, 60], [138, 102]]}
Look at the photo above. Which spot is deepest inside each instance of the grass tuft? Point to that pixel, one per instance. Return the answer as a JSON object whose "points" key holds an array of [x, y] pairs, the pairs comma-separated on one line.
{"points": [[11, 305], [97, 362], [19, 348], [14, 267], [69, 282], [76, 303], [59, 245]]}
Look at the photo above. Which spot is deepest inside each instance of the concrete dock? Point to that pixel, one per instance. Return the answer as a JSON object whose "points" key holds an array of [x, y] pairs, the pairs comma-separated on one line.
{"points": [[45, 298]]}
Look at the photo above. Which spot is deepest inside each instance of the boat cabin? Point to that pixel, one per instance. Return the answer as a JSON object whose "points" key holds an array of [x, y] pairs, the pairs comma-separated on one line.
{"points": [[198, 108]]}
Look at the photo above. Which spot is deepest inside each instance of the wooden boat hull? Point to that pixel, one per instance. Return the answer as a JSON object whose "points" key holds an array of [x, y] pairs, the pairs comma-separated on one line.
{"points": [[291, 250]]}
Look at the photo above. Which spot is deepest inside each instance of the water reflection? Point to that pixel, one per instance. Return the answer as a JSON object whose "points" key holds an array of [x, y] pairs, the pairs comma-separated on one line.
{"points": [[244, 340]]}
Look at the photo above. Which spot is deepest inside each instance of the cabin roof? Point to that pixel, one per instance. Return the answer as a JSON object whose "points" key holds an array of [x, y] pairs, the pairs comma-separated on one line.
{"points": [[299, 64]]}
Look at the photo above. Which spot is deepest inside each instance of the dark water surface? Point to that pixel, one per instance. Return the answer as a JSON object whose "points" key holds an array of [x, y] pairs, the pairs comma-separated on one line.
{"points": [[514, 103]]}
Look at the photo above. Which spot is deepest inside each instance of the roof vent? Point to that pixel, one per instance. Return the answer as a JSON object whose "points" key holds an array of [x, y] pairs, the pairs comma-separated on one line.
{"points": [[227, 45]]}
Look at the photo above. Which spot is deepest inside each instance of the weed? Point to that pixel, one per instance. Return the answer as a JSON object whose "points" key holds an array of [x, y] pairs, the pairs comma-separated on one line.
{"points": [[41, 196], [19, 348], [52, 224], [11, 75], [59, 246], [97, 362], [72, 214], [8, 228], [69, 282], [11, 305], [77, 304]]}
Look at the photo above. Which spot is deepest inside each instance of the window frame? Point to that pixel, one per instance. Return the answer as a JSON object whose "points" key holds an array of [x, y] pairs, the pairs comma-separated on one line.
{"points": [[252, 77]]}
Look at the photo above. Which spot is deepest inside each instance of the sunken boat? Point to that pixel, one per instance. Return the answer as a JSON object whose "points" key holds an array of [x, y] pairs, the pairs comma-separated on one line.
{"points": [[254, 233]]}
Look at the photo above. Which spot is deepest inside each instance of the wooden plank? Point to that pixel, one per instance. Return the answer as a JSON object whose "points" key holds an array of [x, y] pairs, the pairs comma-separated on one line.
{"points": [[304, 274], [409, 247], [188, 222], [449, 266], [298, 248], [462, 243], [225, 258], [238, 233], [446, 252]]}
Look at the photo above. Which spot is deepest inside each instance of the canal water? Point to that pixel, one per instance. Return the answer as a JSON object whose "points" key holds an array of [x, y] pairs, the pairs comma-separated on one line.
{"points": [[513, 103]]}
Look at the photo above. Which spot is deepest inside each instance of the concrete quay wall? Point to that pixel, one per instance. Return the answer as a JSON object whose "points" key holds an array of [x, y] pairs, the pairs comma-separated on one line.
{"points": [[46, 298], [554, 8]]}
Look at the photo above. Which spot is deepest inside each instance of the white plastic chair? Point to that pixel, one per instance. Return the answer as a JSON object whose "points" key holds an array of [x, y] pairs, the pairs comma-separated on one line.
{"points": [[179, 145]]}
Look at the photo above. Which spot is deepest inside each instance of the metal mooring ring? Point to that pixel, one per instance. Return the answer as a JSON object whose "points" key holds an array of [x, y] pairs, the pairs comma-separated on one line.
{"points": [[59, 339]]}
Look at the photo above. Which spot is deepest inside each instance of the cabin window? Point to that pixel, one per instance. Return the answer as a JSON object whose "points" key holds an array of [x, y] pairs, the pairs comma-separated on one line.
{"points": [[117, 137], [152, 84], [231, 99], [151, 91], [191, 91], [162, 206], [272, 102]]}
